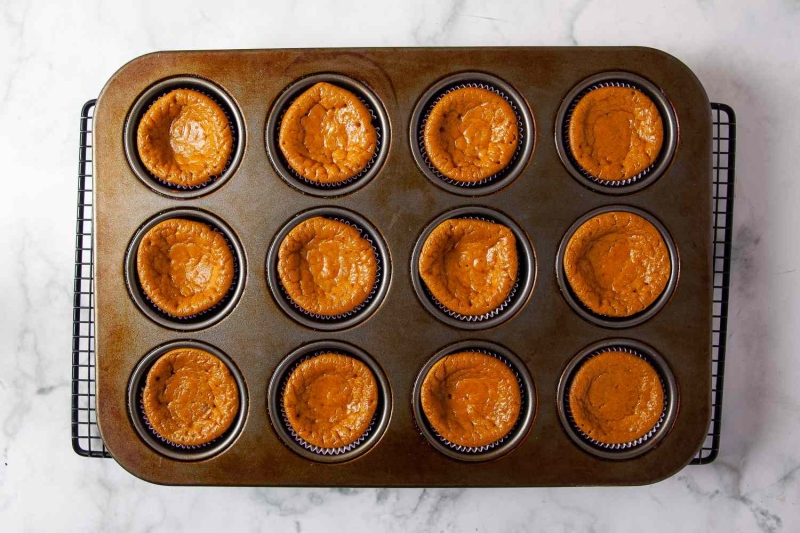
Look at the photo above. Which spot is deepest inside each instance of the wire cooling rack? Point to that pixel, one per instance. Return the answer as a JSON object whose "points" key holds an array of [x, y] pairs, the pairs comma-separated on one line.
{"points": [[86, 439], [723, 162]]}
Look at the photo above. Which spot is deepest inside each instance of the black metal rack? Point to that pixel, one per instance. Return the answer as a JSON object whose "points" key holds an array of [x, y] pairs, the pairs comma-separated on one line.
{"points": [[86, 439], [723, 148]]}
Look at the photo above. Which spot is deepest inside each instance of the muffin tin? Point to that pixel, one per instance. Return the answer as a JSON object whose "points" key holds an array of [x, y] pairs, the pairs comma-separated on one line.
{"points": [[640, 317], [328, 455], [482, 80], [208, 317], [517, 434], [520, 292], [379, 120], [365, 309], [398, 201], [143, 103], [643, 444], [149, 435], [668, 119]]}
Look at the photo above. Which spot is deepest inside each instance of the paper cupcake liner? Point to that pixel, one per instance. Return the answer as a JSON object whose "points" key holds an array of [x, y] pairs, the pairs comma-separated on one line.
{"points": [[568, 149], [319, 450], [486, 316], [165, 440], [378, 146], [475, 318], [589, 311], [582, 308], [234, 142], [494, 177], [486, 447], [214, 308], [360, 307], [626, 445]]}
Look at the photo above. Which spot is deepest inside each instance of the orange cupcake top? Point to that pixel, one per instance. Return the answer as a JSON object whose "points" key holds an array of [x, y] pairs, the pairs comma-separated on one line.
{"points": [[184, 266], [190, 397], [617, 264], [615, 133], [326, 266], [327, 135], [330, 400], [184, 138], [470, 266], [616, 397], [471, 399], [471, 134]]}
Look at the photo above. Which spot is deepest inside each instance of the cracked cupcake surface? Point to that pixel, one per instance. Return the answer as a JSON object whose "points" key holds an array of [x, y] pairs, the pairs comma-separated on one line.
{"points": [[617, 264], [326, 267], [184, 266], [330, 400], [471, 399], [615, 133], [184, 138], [326, 134], [616, 397], [469, 266], [471, 134], [190, 397]]}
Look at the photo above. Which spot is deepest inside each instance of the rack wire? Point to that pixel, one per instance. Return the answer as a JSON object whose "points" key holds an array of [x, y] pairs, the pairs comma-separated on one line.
{"points": [[723, 150], [86, 439]]}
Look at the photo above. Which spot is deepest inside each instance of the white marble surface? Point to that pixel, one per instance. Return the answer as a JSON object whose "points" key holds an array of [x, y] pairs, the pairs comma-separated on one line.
{"points": [[54, 56]]}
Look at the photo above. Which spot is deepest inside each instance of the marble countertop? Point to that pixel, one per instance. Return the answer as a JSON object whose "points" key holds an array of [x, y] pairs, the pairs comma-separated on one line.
{"points": [[54, 57]]}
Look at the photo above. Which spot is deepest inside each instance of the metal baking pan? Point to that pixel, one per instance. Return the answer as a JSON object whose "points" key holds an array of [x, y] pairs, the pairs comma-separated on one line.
{"points": [[400, 200]]}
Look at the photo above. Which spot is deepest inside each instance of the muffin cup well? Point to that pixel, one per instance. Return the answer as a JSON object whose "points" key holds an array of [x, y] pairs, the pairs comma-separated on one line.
{"points": [[636, 447], [608, 321], [353, 317], [161, 444], [494, 450], [143, 103], [380, 121], [297, 438], [525, 124], [668, 119], [307, 450], [210, 316], [520, 292]]}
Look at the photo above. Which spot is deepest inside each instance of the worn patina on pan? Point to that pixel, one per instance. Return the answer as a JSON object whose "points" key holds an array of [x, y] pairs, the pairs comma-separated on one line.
{"points": [[399, 200]]}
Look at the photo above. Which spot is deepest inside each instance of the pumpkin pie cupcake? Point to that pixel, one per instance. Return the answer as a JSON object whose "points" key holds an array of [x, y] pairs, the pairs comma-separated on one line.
{"points": [[326, 135], [329, 401], [469, 266], [471, 134], [184, 139], [190, 397], [184, 267], [326, 267], [616, 398], [471, 399], [615, 133], [617, 264]]}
